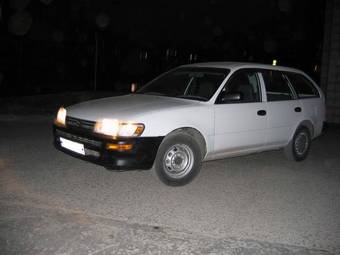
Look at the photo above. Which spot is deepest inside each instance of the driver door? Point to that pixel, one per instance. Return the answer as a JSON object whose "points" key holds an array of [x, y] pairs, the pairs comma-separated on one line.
{"points": [[240, 115]]}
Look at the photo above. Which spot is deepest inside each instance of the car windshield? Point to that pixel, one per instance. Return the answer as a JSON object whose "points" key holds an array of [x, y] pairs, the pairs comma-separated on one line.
{"points": [[191, 83]]}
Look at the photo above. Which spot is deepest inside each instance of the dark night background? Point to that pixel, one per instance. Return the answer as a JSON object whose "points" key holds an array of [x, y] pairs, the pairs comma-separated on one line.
{"points": [[49, 46]]}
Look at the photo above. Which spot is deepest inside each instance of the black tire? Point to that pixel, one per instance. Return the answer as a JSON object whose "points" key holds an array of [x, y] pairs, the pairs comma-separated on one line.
{"points": [[178, 160], [297, 149]]}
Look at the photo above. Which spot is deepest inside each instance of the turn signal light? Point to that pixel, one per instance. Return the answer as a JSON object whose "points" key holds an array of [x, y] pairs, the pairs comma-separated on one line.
{"points": [[118, 147]]}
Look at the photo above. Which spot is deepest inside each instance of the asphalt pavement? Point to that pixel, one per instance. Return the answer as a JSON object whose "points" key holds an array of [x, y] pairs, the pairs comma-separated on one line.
{"points": [[51, 203]]}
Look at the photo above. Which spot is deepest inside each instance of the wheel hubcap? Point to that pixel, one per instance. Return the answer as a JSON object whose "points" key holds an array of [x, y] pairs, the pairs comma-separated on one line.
{"points": [[301, 144], [178, 160]]}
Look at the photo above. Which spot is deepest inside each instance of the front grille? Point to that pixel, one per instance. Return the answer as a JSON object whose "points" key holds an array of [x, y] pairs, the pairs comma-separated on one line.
{"points": [[78, 138], [79, 123]]}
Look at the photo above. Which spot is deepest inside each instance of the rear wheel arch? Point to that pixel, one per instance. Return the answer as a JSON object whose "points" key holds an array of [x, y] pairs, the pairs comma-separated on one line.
{"points": [[306, 124], [298, 147]]}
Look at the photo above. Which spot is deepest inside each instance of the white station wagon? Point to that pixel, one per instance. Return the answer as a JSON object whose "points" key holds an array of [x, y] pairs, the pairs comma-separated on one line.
{"points": [[196, 113]]}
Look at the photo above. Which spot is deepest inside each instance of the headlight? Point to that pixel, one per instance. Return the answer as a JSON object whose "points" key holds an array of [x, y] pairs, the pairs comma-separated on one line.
{"points": [[61, 117], [118, 128]]}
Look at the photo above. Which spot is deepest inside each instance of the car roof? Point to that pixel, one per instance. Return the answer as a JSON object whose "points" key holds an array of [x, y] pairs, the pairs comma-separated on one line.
{"points": [[237, 65]]}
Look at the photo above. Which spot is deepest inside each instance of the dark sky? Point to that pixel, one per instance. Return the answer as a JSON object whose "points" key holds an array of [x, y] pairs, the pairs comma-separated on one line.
{"points": [[174, 20], [242, 30]]}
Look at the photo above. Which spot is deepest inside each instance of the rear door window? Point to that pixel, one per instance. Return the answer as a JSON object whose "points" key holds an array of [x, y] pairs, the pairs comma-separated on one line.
{"points": [[303, 87], [277, 86]]}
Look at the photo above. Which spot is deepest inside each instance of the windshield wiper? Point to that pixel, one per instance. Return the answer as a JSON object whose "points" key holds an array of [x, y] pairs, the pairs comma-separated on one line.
{"points": [[150, 93]]}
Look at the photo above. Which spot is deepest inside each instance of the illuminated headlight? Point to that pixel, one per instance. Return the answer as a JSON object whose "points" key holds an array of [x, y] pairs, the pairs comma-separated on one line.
{"points": [[61, 117], [118, 128]]}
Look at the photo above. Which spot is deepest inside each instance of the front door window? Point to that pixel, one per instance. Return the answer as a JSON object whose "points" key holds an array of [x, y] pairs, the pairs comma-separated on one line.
{"points": [[243, 87]]}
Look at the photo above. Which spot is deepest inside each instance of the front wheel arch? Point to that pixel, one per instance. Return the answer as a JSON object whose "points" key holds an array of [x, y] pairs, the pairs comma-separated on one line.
{"points": [[196, 134]]}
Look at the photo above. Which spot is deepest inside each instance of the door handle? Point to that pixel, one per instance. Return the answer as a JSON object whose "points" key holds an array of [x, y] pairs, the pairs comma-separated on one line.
{"points": [[298, 109], [261, 112]]}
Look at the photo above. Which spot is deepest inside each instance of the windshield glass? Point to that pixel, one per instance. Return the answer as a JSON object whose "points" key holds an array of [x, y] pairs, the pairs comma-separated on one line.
{"points": [[191, 83]]}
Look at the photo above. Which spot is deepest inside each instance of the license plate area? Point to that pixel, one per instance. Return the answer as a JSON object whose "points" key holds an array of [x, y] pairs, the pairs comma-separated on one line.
{"points": [[72, 146]]}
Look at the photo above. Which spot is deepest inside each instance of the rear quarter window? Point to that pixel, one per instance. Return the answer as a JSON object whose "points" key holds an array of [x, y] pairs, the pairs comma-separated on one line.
{"points": [[303, 87]]}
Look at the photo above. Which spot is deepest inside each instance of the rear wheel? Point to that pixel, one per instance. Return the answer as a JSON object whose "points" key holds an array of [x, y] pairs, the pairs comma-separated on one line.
{"points": [[298, 148], [178, 160]]}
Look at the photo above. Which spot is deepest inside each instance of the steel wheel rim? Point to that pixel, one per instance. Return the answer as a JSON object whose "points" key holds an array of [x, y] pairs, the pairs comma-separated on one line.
{"points": [[178, 160], [301, 143]]}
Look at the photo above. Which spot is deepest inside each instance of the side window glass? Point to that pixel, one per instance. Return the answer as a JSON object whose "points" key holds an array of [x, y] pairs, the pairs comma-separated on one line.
{"points": [[243, 87], [277, 87], [302, 86]]}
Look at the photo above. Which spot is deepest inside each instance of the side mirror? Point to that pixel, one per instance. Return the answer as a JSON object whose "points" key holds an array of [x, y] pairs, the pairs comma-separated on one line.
{"points": [[233, 97]]}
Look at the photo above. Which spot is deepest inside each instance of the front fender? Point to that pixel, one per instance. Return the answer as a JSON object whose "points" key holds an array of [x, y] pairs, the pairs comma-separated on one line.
{"points": [[164, 122]]}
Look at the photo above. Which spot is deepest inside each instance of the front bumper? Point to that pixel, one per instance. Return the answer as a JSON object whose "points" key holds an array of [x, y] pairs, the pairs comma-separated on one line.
{"points": [[141, 156]]}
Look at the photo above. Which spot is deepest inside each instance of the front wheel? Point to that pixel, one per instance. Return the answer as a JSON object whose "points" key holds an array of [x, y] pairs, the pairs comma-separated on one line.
{"points": [[178, 160], [298, 148]]}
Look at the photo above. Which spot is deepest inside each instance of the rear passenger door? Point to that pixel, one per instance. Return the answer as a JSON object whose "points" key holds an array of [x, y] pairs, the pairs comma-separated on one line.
{"points": [[284, 111]]}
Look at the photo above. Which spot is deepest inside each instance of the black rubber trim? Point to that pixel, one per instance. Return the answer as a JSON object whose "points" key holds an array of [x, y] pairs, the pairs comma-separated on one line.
{"points": [[141, 156]]}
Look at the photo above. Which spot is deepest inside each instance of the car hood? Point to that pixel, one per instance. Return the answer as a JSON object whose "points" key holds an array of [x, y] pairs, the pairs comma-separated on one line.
{"points": [[129, 107]]}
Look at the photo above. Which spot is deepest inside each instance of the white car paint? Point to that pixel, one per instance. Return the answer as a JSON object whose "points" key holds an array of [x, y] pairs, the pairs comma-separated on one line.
{"points": [[314, 113], [282, 120], [238, 128], [160, 115], [228, 129]]}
